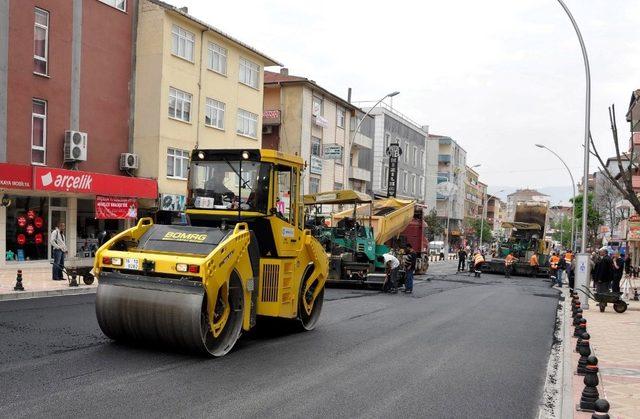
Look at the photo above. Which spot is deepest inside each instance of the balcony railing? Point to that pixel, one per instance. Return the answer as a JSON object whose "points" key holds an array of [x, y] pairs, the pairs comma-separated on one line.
{"points": [[359, 174], [271, 117]]}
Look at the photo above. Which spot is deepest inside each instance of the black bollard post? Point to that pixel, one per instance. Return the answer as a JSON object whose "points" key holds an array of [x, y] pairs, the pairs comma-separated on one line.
{"points": [[581, 327], [19, 286], [577, 313], [577, 306], [583, 340], [585, 352], [576, 319], [590, 392], [601, 407]]}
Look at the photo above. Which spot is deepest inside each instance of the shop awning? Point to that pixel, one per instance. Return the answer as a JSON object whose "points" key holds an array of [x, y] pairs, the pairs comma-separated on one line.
{"points": [[25, 177]]}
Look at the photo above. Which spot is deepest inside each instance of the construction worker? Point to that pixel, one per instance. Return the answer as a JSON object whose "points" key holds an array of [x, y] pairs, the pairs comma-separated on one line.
{"points": [[478, 261], [462, 257], [533, 265], [508, 264], [391, 264], [553, 272]]}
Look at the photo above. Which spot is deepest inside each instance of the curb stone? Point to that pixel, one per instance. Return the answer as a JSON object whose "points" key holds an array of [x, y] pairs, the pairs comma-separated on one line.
{"points": [[48, 293]]}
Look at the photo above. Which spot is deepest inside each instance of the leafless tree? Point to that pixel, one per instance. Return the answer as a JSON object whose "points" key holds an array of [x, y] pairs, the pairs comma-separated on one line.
{"points": [[607, 199], [626, 164]]}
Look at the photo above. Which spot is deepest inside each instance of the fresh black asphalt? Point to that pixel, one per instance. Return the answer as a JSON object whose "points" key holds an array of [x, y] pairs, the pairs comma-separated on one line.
{"points": [[458, 347]]}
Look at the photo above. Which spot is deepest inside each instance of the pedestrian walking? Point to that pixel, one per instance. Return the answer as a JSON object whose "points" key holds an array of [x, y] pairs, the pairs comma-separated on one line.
{"points": [[478, 261], [462, 259], [58, 243], [410, 261], [618, 271], [603, 271], [568, 259], [534, 265], [442, 255], [554, 260], [508, 265], [391, 264]]}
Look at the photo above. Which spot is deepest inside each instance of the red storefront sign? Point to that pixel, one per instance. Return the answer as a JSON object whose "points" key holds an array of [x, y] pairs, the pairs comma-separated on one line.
{"points": [[62, 180], [110, 208], [15, 176]]}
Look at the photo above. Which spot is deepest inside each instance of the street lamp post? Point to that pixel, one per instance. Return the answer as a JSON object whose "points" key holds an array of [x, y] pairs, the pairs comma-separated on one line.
{"points": [[355, 131], [573, 184], [582, 271]]}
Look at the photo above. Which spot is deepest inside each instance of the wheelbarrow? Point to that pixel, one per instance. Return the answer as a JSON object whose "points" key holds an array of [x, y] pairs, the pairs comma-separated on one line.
{"points": [[604, 298], [77, 272]]}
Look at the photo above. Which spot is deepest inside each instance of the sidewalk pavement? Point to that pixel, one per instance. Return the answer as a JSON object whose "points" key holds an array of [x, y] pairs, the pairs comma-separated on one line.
{"points": [[615, 339], [37, 282]]}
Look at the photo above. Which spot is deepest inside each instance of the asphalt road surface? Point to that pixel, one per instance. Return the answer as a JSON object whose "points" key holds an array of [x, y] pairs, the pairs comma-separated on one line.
{"points": [[458, 347]]}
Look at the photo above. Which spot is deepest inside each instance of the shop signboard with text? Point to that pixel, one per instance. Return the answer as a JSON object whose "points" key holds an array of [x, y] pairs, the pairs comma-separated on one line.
{"points": [[62, 180], [113, 208], [15, 176]]}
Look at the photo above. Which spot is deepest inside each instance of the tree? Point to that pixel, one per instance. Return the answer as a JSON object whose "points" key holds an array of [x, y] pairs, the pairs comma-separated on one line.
{"points": [[562, 231], [626, 165], [607, 199], [593, 216], [435, 226], [487, 236]]}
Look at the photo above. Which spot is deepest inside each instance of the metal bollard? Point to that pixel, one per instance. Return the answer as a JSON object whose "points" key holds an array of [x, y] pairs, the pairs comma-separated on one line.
{"points": [[601, 407], [19, 286], [585, 354], [590, 393]]}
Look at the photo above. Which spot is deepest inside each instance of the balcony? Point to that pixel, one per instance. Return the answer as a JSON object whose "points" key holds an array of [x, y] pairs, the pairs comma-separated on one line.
{"points": [[271, 117], [359, 174], [362, 141]]}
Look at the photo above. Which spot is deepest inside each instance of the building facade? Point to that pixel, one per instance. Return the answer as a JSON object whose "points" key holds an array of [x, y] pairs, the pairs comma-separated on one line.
{"points": [[452, 160], [195, 87], [523, 195], [65, 75], [496, 213], [304, 119], [392, 127]]}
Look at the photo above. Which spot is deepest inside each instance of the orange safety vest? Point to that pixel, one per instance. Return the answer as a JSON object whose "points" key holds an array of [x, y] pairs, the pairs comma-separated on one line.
{"points": [[509, 259], [568, 257], [534, 260], [554, 262]]}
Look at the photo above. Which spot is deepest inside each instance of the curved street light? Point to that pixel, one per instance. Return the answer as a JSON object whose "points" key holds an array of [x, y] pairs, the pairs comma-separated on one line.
{"points": [[573, 184], [355, 131]]}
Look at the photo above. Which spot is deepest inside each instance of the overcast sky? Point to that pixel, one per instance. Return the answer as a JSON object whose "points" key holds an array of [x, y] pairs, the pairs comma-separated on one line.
{"points": [[495, 75]]}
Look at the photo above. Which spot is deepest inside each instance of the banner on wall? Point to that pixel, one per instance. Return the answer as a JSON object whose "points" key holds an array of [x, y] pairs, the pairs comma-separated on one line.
{"points": [[111, 208]]}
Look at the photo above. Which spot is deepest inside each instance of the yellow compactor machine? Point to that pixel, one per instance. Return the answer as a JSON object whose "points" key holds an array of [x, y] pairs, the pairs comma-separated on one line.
{"points": [[244, 256]]}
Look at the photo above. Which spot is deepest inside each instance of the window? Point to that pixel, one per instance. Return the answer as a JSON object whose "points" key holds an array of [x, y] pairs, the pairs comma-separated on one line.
{"points": [[415, 156], [214, 114], [41, 42], [314, 185], [247, 123], [183, 43], [179, 105], [38, 131], [118, 4], [385, 176], [340, 117], [217, 58], [404, 181], [337, 186], [412, 184], [421, 186], [421, 159], [317, 106], [249, 73], [316, 146], [406, 152], [387, 137], [177, 163]]}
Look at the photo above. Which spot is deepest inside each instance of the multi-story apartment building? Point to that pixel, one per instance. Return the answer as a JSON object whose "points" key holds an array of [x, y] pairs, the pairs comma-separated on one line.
{"points": [[303, 118], [495, 214], [452, 160], [418, 162], [473, 195], [65, 75], [195, 87]]}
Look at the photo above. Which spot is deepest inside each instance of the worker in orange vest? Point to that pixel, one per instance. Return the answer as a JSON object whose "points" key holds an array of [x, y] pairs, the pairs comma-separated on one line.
{"points": [[533, 265], [553, 273], [508, 265]]}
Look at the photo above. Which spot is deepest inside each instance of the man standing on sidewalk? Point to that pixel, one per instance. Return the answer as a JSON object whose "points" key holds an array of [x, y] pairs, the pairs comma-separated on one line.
{"points": [[603, 271], [462, 259], [410, 268], [553, 272], [57, 242]]}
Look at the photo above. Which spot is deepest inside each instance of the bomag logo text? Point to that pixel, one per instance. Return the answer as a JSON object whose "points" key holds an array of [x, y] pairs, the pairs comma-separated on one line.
{"points": [[185, 237]]}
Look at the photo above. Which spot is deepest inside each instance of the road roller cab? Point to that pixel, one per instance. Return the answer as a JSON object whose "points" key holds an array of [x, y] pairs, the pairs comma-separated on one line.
{"points": [[244, 256]]}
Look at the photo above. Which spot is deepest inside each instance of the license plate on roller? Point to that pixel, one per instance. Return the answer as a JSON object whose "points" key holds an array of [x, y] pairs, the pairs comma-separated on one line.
{"points": [[131, 264]]}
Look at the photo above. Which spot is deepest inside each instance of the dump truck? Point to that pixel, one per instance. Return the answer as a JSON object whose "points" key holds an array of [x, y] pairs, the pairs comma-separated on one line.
{"points": [[527, 237], [358, 236], [415, 234], [243, 258]]}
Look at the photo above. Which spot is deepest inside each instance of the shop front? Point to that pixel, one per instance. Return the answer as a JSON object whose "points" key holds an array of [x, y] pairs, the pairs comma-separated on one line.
{"points": [[93, 206]]}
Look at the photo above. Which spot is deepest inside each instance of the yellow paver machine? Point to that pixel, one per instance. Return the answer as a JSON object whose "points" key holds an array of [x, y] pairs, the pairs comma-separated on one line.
{"points": [[244, 256]]}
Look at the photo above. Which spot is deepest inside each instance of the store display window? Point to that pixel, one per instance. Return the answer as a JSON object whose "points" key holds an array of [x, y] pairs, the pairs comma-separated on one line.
{"points": [[27, 232]]}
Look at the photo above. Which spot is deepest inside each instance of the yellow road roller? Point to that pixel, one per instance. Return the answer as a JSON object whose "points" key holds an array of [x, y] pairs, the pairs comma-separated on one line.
{"points": [[243, 256]]}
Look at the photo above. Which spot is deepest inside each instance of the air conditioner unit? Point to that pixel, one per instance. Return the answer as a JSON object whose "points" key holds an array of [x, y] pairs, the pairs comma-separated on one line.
{"points": [[267, 129], [129, 161], [75, 146]]}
